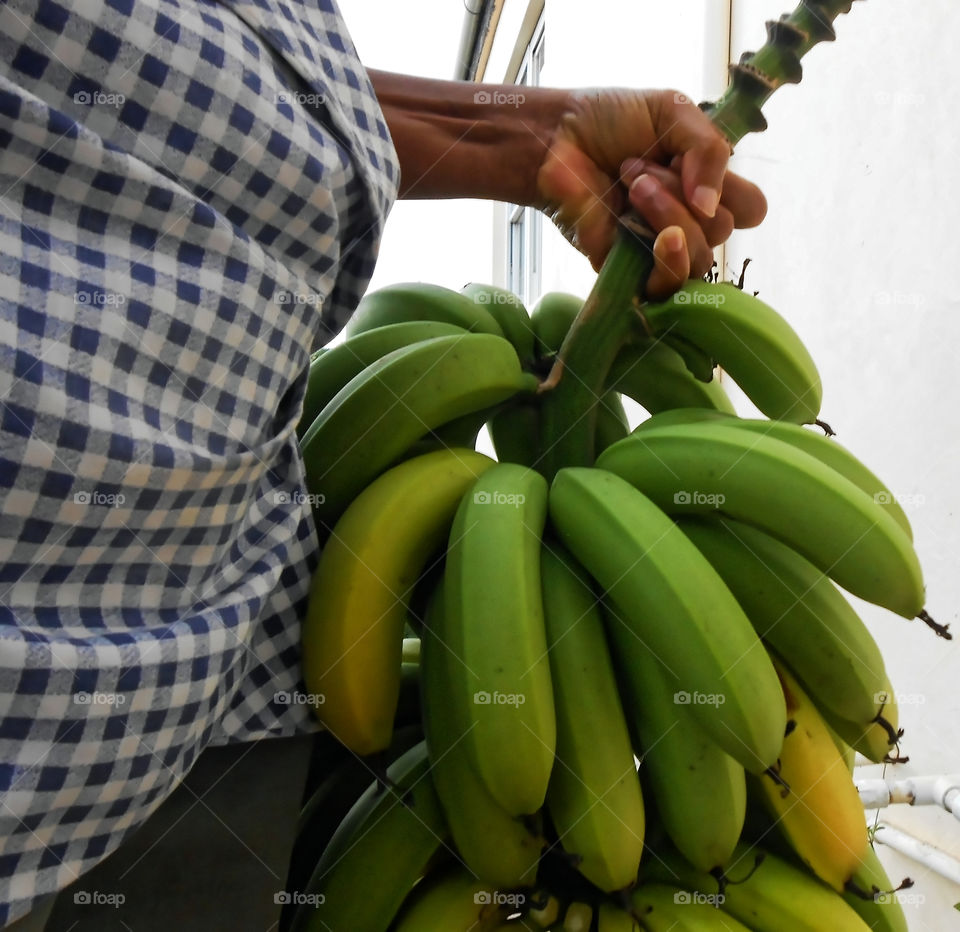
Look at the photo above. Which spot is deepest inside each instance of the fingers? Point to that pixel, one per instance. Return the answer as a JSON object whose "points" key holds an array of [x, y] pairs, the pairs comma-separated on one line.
{"points": [[672, 266], [743, 199], [662, 210], [683, 129]]}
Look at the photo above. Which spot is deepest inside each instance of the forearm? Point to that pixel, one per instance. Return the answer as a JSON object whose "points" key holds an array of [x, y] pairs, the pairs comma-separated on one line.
{"points": [[458, 139]]}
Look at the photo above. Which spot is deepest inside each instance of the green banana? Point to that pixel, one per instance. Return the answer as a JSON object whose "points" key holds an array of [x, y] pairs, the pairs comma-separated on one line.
{"points": [[352, 636], [420, 301], [653, 375], [390, 834], [668, 596], [823, 448], [551, 317], [493, 623], [668, 908], [379, 414], [509, 313], [878, 739], [700, 364], [452, 901], [594, 796], [493, 845], [764, 892], [515, 433], [706, 467], [699, 791], [612, 424], [882, 913], [749, 340], [461, 432], [797, 610], [330, 802], [339, 364], [612, 918]]}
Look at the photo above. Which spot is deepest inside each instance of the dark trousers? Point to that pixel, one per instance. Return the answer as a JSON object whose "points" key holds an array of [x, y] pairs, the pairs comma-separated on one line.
{"points": [[213, 856]]}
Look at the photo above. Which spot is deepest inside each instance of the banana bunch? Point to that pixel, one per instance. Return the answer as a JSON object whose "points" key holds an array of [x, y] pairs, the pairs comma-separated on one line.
{"points": [[616, 699]]}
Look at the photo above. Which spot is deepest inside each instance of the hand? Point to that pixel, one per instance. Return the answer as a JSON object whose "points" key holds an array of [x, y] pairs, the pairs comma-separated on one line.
{"points": [[657, 152]]}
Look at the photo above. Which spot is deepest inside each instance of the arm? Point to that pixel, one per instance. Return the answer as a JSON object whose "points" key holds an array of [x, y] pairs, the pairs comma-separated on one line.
{"points": [[581, 156]]}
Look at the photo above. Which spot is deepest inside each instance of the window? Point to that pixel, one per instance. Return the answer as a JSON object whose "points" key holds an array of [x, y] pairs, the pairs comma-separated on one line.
{"points": [[525, 224]]}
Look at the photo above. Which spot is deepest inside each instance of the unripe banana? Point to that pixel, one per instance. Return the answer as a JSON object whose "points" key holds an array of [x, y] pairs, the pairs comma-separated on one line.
{"points": [[668, 908], [883, 912], [667, 595], [878, 739], [352, 634], [749, 340], [453, 901], [797, 610], [494, 845], [420, 301], [552, 317], [390, 834], [509, 313], [765, 893], [698, 790], [705, 467], [493, 623], [515, 432], [828, 451], [332, 370], [594, 796], [653, 375], [380, 413]]}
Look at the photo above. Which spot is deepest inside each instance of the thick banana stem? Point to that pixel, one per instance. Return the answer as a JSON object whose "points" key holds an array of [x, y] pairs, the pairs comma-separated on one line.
{"points": [[577, 379]]}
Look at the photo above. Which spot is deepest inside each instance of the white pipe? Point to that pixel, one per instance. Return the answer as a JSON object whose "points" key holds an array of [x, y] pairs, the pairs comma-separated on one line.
{"points": [[919, 851], [914, 791]]}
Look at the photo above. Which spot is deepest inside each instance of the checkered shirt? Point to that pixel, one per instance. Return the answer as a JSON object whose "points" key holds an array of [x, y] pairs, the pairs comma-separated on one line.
{"points": [[191, 198]]}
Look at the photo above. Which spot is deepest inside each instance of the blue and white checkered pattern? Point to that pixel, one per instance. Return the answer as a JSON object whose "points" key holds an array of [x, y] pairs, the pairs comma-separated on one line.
{"points": [[191, 198]]}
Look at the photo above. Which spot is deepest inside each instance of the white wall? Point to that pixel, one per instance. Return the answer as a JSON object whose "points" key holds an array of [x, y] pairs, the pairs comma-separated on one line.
{"points": [[861, 172]]}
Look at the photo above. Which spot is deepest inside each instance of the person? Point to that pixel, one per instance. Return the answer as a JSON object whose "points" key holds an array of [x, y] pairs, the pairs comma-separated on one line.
{"points": [[191, 201]]}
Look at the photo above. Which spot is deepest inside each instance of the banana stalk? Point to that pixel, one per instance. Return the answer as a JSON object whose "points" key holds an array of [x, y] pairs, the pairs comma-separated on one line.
{"points": [[603, 326]]}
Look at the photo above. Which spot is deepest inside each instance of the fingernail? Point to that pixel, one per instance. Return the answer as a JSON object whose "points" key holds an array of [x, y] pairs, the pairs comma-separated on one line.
{"points": [[673, 240], [705, 199], [644, 186]]}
